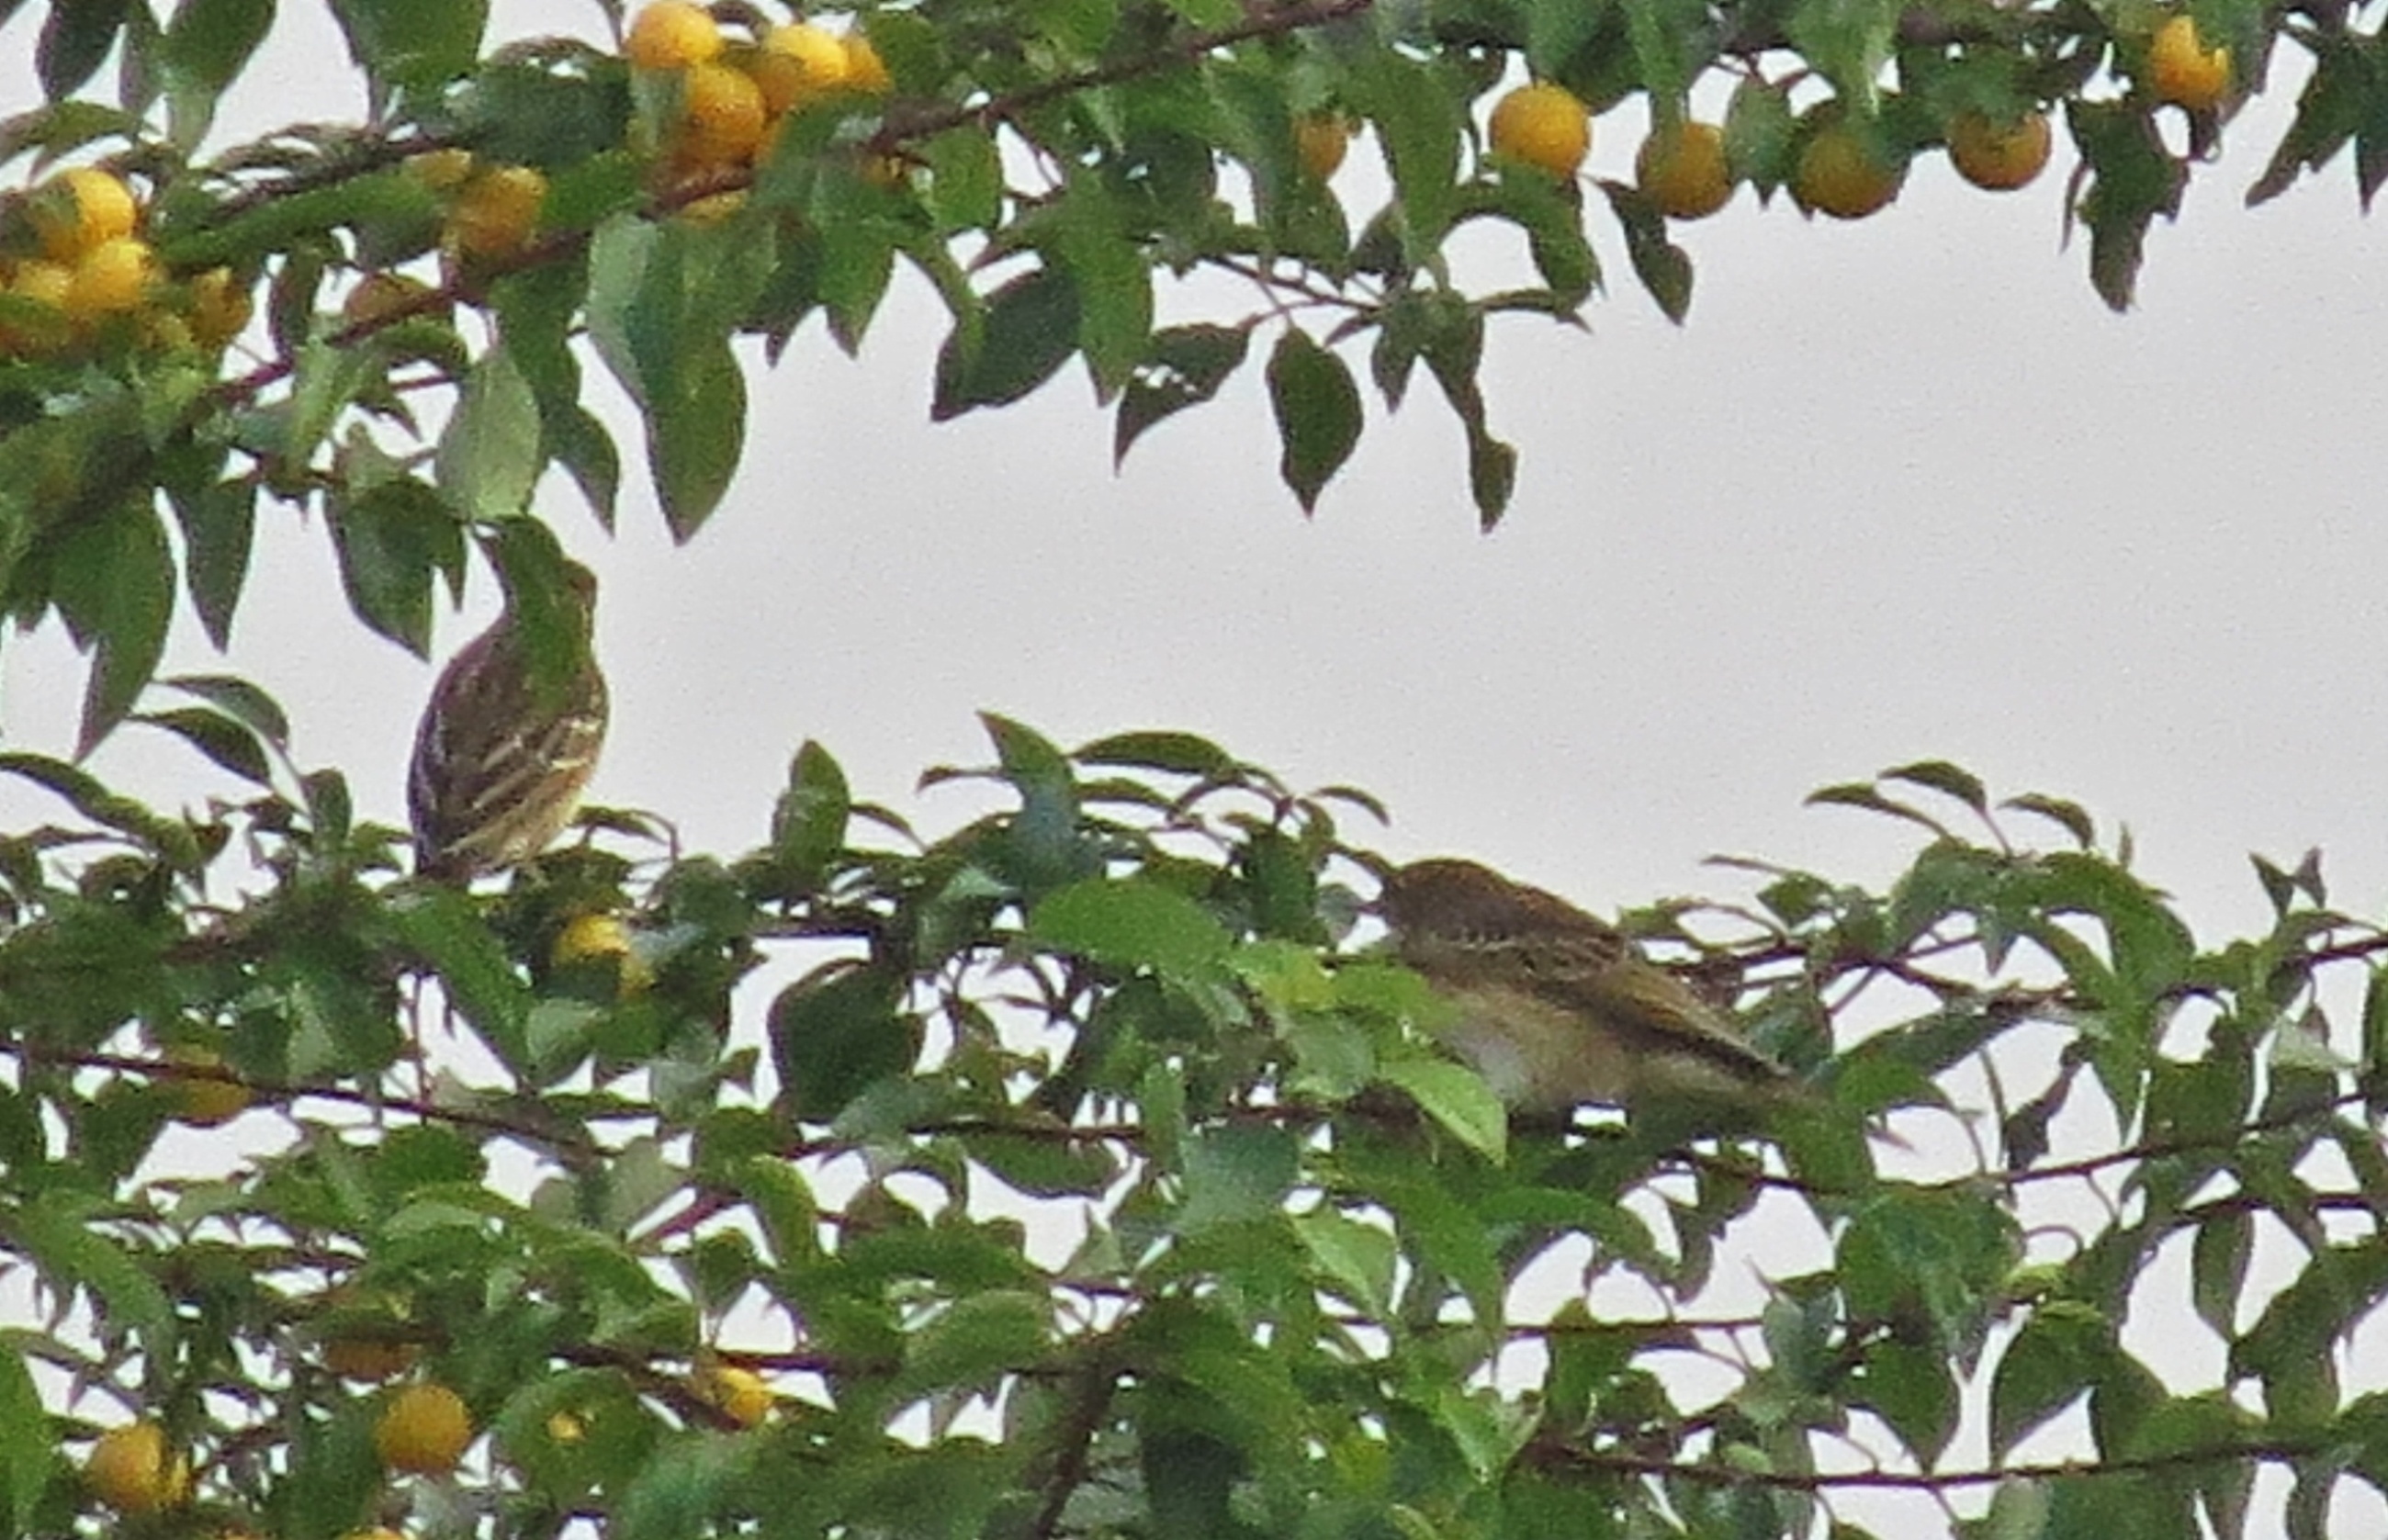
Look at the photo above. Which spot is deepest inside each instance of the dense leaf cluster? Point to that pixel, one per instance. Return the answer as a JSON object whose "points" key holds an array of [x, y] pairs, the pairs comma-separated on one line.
{"points": [[1081, 1172]]}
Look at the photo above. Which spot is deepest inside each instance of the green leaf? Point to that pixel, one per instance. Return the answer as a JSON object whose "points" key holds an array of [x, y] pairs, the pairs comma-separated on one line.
{"points": [[809, 820], [2133, 178], [218, 523], [836, 1032], [488, 455], [417, 42], [1456, 1097], [1948, 779], [1235, 1175], [976, 1341], [1183, 366], [392, 539], [2051, 1362], [1112, 281], [1357, 1259], [1418, 121], [444, 926], [1027, 331], [229, 744], [1845, 41], [1175, 753], [663, 300], [28, 1445], [114, 583], [965, 179], [1132, 923], [2217, 1267], [209, 42], [1317, 413], [59, 1232], [75, 40], [1912, 1390]]}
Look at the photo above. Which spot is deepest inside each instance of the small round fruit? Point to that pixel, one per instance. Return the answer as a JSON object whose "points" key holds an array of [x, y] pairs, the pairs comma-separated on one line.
{"points": [[1682, 168], [865, 70], [671, 34], [439, 170], [133, 1471], [1543, 125], [42, 282], [205, 1102], [2183, 71], [738, 1395], [423, 1430], [1842, 173], [1320, 140], [497, 210], [1998, 157], [110, 279], [82, 209], [797, 65], [723, 117], [565, 1427], [219, 307]]}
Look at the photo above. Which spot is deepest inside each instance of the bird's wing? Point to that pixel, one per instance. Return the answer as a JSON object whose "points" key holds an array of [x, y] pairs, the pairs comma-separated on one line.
{"points": [[1613, 983]]}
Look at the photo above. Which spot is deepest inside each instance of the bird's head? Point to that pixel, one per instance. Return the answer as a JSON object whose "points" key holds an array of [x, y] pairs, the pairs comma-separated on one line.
{"points": [[1446, 896]]}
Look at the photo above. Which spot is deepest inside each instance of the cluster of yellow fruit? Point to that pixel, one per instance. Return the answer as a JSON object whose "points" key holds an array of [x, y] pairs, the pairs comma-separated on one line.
{"points": [[79, 263], [1841, 170], [735, 92]]}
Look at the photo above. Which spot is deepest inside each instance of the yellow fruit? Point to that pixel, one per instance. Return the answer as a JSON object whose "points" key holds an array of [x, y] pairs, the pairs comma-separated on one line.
{"points": [[591, 938], [738, 1394], [42, 282], [1842, 173], [797, 65], [423, 1430], [1998, 157], [1682, 168], [566, 1427], [219, 307], [722, 118], [671, 34], [110, 279], [380, 295], [1320, 140], [439, 170], [81, 209], [2183, 71], [715, 207], [1543, 125], [131, 1471], [496, 212], [205, 1102], [865, 70]]}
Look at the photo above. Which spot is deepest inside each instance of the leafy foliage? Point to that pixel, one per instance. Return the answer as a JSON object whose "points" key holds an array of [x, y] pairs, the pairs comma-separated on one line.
{"points": [[1065, 176], [1081, 1171]]}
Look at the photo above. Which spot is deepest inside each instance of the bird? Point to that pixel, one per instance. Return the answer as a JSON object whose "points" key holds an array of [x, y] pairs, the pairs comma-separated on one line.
{"points": [[1557, 1009], [503, 749]]}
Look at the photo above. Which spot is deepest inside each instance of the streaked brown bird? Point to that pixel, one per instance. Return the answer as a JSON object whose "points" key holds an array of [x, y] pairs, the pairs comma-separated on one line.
{"points": [[502, 754], [1556, 1008]]}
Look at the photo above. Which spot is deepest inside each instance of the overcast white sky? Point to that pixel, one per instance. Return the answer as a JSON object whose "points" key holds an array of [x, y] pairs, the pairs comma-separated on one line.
{"points": [[1901, 488]]}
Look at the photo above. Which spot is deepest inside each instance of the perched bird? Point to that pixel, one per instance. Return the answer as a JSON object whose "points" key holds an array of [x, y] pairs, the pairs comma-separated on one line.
{"points": [[503, 751], [1556, 1008]]}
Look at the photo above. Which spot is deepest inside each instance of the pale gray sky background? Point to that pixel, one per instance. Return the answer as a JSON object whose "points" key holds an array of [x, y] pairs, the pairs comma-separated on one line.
{"points": [[1901, 488]]}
